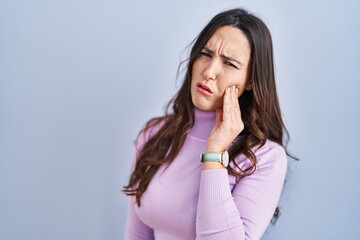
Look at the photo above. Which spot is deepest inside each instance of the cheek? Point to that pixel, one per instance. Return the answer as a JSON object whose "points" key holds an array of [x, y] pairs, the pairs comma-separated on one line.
{"points": [[224, 86], [240, 85], [192, 88], [196, 67]]}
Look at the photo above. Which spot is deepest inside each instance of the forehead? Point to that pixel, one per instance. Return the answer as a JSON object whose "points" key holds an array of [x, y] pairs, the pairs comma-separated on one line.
{"points": [[230, 41]]}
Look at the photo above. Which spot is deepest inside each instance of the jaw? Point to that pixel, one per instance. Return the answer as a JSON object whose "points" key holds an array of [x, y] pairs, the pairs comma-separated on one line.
{"points": [[205, 103]]}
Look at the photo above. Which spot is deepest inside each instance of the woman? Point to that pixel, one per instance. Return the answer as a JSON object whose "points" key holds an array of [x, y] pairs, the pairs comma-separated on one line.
{"points": [[226, 112]]}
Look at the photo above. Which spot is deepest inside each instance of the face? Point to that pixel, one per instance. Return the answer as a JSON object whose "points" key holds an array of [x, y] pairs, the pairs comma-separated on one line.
{"points": [[223, 62]]}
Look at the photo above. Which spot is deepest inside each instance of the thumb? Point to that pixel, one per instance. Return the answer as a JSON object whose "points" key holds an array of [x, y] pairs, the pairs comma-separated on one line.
{"points": [[219, 115], [218, 119]]}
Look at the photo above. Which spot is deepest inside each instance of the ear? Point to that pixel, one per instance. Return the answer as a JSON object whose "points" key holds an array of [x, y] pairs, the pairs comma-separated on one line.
{"points": [[249, 85]]}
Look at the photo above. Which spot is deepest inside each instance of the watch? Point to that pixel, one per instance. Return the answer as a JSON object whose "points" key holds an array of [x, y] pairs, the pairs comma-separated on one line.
{"points": [[221, 157]]}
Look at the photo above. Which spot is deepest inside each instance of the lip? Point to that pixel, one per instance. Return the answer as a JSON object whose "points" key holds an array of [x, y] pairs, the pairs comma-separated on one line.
{"points": [[202, 88]]}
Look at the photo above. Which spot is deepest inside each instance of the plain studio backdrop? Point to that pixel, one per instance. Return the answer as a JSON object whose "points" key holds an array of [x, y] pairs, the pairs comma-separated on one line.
{"points": [[78, 79]]}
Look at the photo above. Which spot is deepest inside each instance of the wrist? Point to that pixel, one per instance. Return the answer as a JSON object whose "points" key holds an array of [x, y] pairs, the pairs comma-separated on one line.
{"points": [[214, 148], [212, 165], [215, 159]]}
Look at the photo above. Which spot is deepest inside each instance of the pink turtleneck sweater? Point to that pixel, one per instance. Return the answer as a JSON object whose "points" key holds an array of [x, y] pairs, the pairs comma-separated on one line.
{"points": [[186, 202]]}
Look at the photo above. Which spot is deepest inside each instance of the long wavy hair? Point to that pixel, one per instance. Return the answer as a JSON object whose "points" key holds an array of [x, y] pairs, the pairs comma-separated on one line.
{"points": [[260, 108]]}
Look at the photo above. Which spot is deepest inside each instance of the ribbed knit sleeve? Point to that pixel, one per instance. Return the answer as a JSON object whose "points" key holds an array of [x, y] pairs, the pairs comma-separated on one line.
{"points": [[246, 211], [217, 214]]}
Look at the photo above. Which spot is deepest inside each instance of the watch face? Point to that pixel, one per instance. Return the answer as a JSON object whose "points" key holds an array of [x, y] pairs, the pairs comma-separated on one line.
{"points": [[225, 158]]}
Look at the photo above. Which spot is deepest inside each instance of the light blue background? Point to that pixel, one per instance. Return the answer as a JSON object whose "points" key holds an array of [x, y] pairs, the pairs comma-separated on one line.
{"points": [[78, 79]]}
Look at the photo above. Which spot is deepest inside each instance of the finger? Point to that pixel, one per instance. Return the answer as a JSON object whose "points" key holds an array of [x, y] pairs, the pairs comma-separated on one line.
{"points": [[231, 111], [234, 96], [234, 106], [235, 114], [218, 120], [236, 99], [227, 103], [229, 93]]}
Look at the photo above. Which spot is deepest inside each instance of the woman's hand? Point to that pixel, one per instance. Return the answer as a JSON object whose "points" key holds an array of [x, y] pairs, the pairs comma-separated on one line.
{"points": [[228, 123]]}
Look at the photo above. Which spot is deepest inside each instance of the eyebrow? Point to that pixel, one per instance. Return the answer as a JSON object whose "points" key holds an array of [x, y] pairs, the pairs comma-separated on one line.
{"points": [[224, 56]]}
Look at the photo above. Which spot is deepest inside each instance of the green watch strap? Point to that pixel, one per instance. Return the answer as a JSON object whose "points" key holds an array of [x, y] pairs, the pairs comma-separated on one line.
{"points": [[211, 156]]}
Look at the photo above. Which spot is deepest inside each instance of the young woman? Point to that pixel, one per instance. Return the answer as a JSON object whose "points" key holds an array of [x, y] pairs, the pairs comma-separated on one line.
{"points": [[227, 112]]}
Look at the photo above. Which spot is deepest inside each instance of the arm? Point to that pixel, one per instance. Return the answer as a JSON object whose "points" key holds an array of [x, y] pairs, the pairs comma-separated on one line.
{"points": [[247, 211]]}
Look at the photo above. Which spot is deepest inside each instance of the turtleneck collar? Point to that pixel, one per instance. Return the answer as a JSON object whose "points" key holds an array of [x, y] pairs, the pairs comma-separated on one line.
{"points": [[204, 122]]}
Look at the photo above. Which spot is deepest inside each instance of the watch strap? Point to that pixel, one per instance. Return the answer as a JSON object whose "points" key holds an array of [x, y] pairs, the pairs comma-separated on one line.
{"points": [[211, 157]]}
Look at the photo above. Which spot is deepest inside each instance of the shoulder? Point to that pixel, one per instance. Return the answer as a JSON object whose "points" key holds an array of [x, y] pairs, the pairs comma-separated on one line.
{"points": [[270, 156], [270, 147]]}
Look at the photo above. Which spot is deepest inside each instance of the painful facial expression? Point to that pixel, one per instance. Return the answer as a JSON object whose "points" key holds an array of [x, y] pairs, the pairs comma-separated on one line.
{"points": [[223, 62]]}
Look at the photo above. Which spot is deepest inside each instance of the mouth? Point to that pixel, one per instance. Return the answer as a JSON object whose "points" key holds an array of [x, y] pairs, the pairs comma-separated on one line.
{"points": [[201, 87]]}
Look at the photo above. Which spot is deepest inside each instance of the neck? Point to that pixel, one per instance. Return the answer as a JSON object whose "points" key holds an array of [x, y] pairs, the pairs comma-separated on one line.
{"points": [[204, 122]]}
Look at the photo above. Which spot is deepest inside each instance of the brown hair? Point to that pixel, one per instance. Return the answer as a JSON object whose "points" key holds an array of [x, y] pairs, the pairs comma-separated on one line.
{"points": [[260, 108]]}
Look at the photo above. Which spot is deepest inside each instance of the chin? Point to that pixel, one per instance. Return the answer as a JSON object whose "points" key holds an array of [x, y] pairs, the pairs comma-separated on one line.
{"points": [[205, 106]]}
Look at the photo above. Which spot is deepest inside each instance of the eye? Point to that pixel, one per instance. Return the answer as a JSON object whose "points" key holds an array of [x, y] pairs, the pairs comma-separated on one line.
{"points": [[206, 54], [230, 64]]}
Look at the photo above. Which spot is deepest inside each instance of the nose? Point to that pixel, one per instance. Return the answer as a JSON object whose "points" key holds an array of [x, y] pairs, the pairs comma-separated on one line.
{"points": [[211, 70]]}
